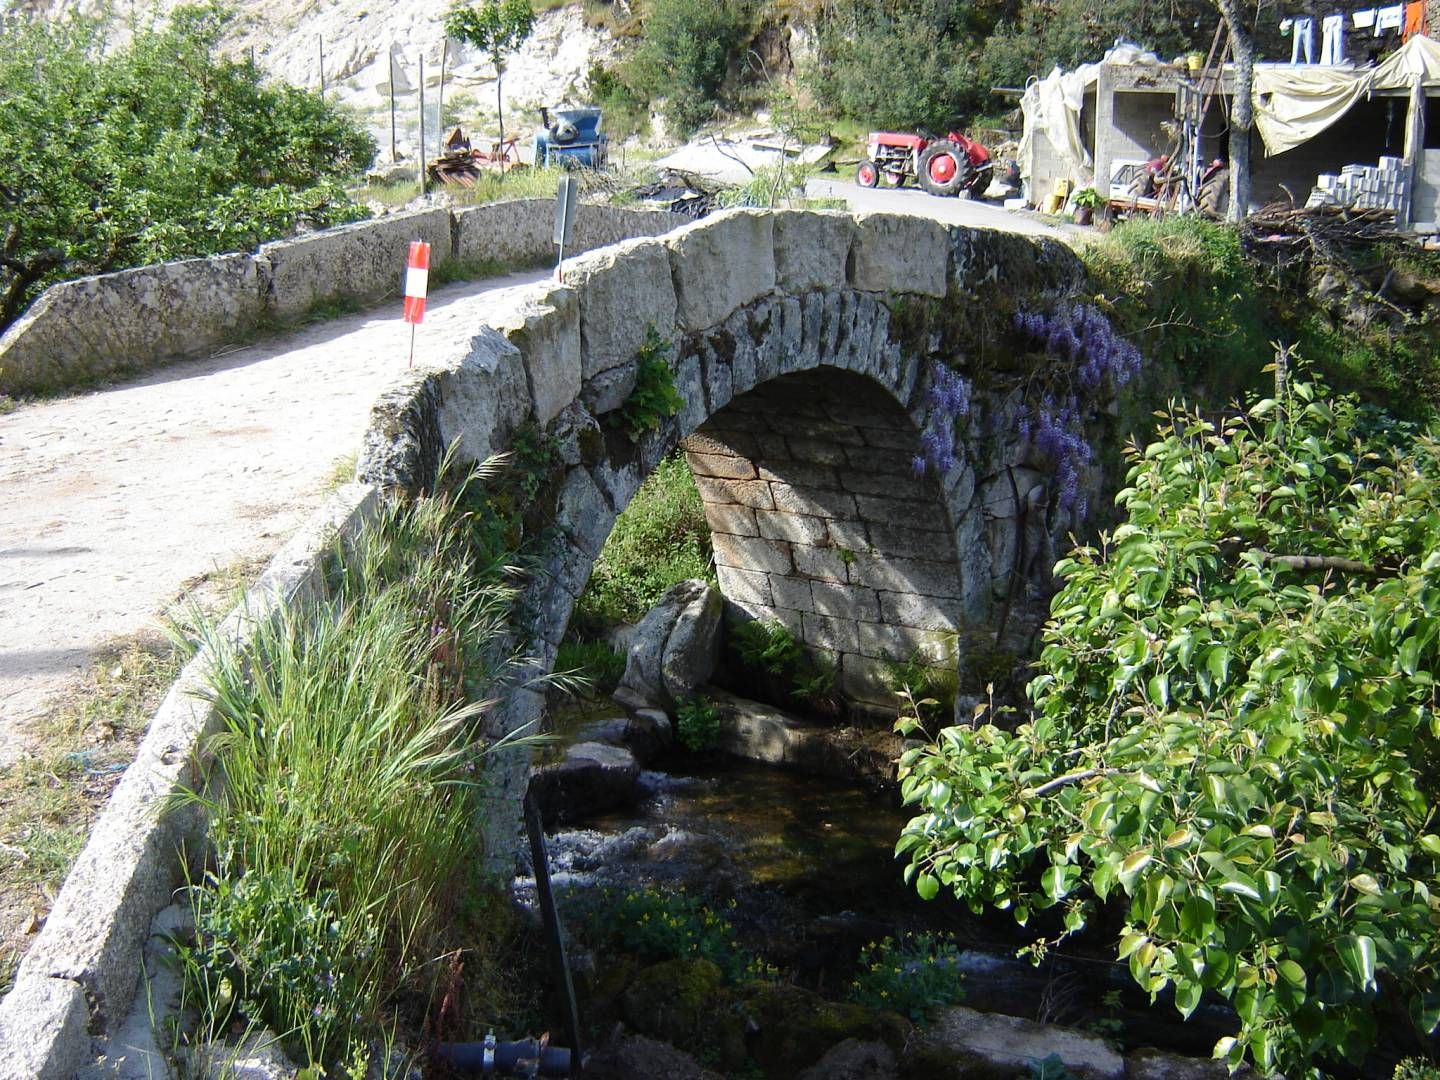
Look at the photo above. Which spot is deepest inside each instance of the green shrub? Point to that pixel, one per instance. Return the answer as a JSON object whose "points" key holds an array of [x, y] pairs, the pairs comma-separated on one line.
{"points": [[1416, 1069], [914, 975], [697, 724], [660, 539], [1233, 741], [684, 55], [655, 924], [654, 398], [184, 152]]}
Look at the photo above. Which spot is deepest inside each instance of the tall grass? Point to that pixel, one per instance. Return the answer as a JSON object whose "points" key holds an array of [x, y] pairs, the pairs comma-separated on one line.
{"points": [[351, 758]]}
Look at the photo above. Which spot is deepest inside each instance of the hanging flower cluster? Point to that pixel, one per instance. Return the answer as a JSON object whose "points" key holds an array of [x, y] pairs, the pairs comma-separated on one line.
{"points": [[1082, 335], [949, 398]]}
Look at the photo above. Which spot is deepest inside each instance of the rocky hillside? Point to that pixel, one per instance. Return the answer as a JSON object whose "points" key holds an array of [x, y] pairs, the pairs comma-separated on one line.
{"points": [[359, 38]]}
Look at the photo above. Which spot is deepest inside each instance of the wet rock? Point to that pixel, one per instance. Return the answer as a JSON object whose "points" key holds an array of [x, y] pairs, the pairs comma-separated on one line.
{"points": [[676, 1001], [635, 1057], [1151, 1064], [1010, 1043], [854, 1060], [592, 778], [675, 647], [646, 733], [791, 1028], [764, 733]]}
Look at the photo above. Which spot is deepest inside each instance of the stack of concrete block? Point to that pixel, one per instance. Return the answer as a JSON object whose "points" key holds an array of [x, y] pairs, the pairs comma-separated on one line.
{"points": [[1363, 187]]}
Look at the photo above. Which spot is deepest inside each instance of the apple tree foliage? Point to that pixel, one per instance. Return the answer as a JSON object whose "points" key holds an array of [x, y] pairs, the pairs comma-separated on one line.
{"points": [[1233, 744]]}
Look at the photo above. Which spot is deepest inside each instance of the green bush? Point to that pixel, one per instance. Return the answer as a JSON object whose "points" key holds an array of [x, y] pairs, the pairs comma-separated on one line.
{"points": [[156, 149], [655, 924], [697, 724], [654, 398], [684, 56], [768, 645], [1234, 741], [914, 975], [660, 539]]}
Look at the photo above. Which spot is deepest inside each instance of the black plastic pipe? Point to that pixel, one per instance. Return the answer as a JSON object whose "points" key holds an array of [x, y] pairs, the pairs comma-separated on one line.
{"points": [[554, 1060]]}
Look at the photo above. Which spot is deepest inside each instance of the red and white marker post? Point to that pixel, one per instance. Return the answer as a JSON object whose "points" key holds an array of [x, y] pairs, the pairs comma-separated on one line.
{"points": [[417, 275]]}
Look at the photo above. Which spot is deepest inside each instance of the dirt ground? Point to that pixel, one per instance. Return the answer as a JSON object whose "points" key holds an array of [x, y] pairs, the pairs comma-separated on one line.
{"points": [[114, 500]]}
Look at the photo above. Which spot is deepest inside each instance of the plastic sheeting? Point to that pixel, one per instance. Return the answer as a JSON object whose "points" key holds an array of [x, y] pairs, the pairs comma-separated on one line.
{"points": [[1293, 104], [1051, 107], [1418, 56]]}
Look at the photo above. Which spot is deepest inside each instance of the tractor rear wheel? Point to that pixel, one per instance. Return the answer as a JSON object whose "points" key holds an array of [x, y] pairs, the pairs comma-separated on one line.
{"points": [[944, 168], [1214, 198], [867, 174]]}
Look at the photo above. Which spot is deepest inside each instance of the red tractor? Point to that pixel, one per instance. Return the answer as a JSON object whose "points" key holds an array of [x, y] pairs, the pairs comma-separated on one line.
{"points": [[941, 166]]}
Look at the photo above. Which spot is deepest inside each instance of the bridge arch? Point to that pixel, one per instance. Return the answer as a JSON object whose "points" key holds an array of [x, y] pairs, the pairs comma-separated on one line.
{"points": [[809, 350]]}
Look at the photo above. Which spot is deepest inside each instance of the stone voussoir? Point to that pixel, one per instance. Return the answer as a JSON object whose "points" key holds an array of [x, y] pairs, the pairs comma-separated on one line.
{"points": [[720, 264]]}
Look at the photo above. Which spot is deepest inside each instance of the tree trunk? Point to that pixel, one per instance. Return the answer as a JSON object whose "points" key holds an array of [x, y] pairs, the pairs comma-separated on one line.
{"points": [[1242, 112]]}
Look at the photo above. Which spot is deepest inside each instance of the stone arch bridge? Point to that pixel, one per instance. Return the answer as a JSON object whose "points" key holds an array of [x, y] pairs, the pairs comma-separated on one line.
{"points": [[806, 347]]}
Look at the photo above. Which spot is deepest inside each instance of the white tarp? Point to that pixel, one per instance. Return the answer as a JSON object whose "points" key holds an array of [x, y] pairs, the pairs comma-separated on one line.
{"points": [[1418, 56], [1051, 107], [1295, 102]]}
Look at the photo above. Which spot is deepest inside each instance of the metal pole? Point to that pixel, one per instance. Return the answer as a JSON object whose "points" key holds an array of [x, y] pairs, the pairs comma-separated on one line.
{"points": [[394, 157], [322, 64], [424, 187], [440, 105], [554, 933]]}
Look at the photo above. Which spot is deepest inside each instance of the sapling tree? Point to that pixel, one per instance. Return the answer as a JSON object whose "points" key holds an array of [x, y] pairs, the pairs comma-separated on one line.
{"points": [[1234, 740], [497, 28]]}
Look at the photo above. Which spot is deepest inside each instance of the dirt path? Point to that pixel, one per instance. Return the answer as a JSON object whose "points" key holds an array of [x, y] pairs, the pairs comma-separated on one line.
{"points": [[113, 501]]}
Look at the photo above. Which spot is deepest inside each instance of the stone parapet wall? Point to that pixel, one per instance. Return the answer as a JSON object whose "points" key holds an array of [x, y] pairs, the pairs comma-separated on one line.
{"points": [[133, 320]]}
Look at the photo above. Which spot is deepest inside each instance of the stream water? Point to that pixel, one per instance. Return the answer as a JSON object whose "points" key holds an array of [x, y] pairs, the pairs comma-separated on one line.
{"points": [[808, 864]]}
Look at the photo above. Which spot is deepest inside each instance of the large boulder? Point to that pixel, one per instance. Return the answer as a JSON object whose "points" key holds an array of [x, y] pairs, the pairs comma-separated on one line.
{"points": [[677, 1001], [854, 1060], [675, 647]]}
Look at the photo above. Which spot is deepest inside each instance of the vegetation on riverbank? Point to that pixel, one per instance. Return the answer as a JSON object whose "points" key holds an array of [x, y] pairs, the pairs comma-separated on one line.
{"points": [[1232, 749], [333, 908]]}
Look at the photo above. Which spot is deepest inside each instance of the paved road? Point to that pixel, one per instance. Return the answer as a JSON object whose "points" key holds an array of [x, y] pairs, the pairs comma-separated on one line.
{"points": [[116, 500], [971, 212]]}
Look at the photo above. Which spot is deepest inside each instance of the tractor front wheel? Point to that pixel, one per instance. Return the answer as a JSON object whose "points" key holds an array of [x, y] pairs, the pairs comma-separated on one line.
{"points": [[868, 174], [944, 168]]}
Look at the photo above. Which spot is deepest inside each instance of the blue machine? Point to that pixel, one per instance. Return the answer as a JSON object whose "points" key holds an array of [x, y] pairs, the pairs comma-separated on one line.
{"points": [[571, 137]]}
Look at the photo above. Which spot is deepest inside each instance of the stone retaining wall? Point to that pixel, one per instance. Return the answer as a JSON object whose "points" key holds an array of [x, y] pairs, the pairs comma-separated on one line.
{"points": [[133, 320]]}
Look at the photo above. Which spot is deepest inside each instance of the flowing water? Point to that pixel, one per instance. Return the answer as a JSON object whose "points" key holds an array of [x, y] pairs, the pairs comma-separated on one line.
{"points": [[808, 864]]}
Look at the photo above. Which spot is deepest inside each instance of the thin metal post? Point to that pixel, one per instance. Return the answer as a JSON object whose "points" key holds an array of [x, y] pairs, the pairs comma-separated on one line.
{"points": [[322, 64], [424, 185], [554, 932], [394, 156]]}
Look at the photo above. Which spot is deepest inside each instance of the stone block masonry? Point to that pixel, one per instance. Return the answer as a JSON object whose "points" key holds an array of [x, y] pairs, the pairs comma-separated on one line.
{"points": [[867, 578]]}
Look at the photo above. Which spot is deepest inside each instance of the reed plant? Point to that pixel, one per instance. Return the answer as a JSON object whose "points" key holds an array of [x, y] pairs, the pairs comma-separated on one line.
{"points": [[346, 827]]}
